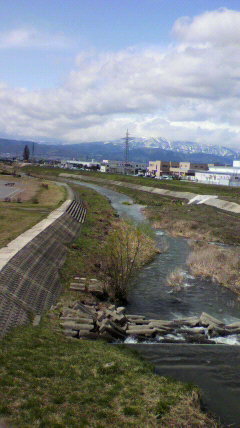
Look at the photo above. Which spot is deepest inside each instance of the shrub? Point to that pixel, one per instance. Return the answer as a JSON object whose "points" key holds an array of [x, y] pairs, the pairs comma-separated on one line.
{"points": [[45, 185], [127, 248]]}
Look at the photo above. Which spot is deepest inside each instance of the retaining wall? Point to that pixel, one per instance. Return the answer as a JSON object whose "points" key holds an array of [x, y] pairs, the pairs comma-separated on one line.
{"points": [[29, 281]]}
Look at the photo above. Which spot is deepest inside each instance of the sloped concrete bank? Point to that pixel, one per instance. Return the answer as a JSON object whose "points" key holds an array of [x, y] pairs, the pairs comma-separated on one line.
{"points": [[211, 200], [29, 265]]}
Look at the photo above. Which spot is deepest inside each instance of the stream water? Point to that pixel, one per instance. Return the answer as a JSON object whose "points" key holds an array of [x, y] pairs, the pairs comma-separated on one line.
{"points": [[214, 368]]}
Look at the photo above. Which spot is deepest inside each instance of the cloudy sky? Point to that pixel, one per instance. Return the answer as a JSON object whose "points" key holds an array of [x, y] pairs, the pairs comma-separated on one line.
{"points": [[86, 70]]}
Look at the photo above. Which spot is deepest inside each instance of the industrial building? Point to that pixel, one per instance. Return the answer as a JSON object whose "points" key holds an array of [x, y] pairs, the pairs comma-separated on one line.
{"points": [[180, 169], [122, 167], [222, 175]]}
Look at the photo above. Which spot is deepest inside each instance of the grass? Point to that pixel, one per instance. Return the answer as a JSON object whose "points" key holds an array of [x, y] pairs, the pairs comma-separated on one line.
{"points": [[47, 380], [176, 278], [192, 221], [224, 192], [199, 222], [16, 218], [85, 254], [221, 264]]}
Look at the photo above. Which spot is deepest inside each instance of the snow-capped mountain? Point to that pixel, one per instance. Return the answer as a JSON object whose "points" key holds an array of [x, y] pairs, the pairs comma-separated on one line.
{"points": [[140, 150], [177, 146]]}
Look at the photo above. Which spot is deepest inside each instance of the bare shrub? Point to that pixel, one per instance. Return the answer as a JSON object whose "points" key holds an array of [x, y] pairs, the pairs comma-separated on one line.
{"points": [[127, 248], [187, 228], [176, 278], [44, 185], [220, 264]]}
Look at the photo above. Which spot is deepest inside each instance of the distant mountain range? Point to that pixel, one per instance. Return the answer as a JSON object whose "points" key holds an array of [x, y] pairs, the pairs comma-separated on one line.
{"points": [[141, 150]]}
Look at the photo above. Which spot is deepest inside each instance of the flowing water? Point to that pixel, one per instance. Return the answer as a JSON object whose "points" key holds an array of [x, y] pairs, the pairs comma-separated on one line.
{"points": [[214, 368]]}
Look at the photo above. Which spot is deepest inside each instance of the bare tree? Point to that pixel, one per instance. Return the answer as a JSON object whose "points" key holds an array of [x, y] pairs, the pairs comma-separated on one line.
{"points": [[26, 153], [127, 248]]}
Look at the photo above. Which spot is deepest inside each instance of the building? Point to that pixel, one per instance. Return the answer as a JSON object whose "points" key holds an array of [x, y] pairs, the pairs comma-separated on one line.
{"points": [[120, 167], [221, 175], [74, 164], [160, 168]]}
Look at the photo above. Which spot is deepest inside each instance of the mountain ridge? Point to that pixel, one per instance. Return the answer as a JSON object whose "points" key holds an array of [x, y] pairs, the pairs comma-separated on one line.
{"points": [[142, 149]]}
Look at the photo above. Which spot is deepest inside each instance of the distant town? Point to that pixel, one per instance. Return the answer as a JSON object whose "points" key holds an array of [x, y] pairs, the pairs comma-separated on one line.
{"points": [[211, 173]]}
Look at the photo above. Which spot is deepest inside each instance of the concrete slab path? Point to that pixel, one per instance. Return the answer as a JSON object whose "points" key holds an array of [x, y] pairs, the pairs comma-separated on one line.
{"points": [[6, 253]]}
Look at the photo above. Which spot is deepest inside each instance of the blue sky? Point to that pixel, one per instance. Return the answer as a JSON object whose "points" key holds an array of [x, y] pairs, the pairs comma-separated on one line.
{"points": [[84, 70]]}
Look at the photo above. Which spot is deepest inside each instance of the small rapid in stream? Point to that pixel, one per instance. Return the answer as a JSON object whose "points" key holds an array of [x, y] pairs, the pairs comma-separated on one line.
{"points": [[215, 368]]}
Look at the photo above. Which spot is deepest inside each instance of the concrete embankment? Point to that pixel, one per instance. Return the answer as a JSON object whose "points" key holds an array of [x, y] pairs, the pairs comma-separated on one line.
{"points": [[211, 200], [29, 265]]}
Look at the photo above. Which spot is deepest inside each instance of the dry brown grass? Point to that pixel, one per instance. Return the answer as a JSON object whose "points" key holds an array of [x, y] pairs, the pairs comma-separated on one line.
{"points": [[176, 278], [188, 229], [51, 195], [220, 264]]}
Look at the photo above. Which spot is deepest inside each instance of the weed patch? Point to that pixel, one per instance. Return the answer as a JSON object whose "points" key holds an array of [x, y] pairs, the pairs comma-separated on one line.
{"points": [[220, 264]]}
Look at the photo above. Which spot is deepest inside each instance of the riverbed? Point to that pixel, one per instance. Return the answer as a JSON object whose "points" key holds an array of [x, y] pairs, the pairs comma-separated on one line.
{"points": [[215, 368]]}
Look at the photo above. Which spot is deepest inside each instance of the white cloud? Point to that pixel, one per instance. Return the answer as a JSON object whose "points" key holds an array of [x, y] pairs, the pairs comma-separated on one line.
{"points": [[219, 27], [188, 90], [32, 38]]}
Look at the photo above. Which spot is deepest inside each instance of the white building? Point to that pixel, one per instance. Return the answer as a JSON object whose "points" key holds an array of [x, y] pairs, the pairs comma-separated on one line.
{"points": [[74, 164], [222, 175], [120, 167]]}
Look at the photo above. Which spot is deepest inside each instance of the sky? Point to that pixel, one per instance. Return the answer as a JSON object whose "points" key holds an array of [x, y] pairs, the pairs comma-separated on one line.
{"points": [[86, 70]]}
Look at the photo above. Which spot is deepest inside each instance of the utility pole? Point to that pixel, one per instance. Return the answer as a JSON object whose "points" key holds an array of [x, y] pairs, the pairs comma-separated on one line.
{"points": [[126, 157]]}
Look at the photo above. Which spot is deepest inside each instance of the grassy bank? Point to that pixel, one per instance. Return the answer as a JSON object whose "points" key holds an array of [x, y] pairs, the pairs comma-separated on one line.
{"points": [[85, 254], [199, 223], [50, 381], [224, 192], [38, 201], [175, 215]]}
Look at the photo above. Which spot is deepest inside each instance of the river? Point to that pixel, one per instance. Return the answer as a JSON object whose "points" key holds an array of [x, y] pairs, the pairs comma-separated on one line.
{"points": [[214, 368]]}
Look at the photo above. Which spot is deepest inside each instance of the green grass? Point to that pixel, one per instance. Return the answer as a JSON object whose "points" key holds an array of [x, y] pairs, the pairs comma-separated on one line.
{"points": [[193, 221], [49, 381], [84, 255], [224, 192], [16, 218], [197, 221]]}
